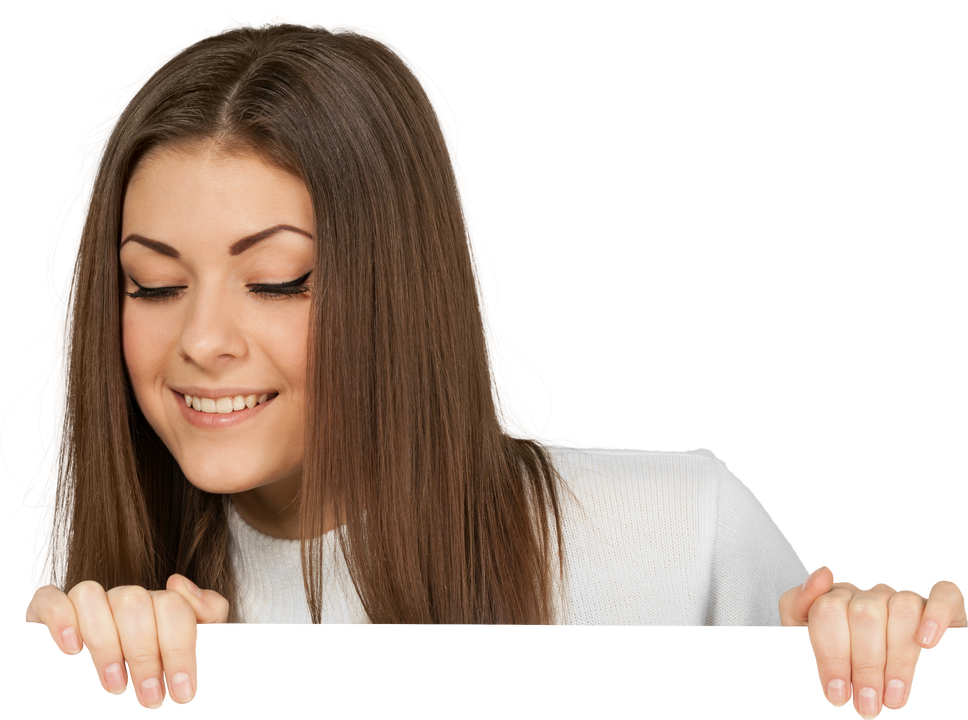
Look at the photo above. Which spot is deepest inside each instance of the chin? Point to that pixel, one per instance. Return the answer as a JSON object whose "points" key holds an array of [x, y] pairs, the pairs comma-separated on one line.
{"points": [[223, 485]]}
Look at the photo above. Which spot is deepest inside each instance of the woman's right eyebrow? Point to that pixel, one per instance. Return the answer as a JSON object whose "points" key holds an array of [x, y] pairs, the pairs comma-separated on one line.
{"points": [[237, 248]]}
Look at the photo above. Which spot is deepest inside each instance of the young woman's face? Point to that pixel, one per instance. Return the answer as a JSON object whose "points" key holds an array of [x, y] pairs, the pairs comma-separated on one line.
{"points": [[192, 221]]}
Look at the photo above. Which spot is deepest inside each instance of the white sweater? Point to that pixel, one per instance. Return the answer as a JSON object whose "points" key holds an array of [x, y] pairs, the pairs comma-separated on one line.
{"points": [[666, 538]]}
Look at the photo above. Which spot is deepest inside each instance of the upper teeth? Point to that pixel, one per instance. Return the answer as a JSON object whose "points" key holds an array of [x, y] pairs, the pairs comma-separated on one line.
{"points": [[225, 404]]}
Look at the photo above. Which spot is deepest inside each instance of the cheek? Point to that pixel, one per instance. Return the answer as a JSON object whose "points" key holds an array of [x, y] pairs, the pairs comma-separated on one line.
{"points": [[286, 340], [144, 342], [134, 340]]}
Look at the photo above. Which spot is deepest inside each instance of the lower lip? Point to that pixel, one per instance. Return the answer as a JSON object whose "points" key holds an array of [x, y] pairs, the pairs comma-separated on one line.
{"points": [[217, 421]]}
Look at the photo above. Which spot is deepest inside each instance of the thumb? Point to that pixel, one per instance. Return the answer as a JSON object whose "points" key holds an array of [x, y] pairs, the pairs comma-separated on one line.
{"points": [[796, 602], [209, 606]]}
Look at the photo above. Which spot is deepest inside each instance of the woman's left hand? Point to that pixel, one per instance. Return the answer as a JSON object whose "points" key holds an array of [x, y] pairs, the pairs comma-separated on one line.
{"points": [[870, 639]]}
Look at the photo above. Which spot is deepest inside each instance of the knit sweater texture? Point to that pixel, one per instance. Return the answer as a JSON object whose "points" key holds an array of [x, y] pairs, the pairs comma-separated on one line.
{"points": [[650, 538]]}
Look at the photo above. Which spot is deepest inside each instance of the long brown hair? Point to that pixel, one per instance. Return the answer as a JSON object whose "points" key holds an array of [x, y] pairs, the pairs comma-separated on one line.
{"points": [[442, 517]]}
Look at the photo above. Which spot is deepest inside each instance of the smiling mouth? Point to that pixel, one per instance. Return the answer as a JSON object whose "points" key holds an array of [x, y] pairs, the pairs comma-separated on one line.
{"points": [[224, 406]]}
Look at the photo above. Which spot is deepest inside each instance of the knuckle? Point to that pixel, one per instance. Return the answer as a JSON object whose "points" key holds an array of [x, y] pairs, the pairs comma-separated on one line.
{"points": [[85, 591], [867, 667], [901, 666], [170, 601], [126, 597], [58, 615], [912, 590], [863, 609], [144, 659], [834, 661], [906, 595], [906, 604], [827, 606], [48, 591], [102, 645]]}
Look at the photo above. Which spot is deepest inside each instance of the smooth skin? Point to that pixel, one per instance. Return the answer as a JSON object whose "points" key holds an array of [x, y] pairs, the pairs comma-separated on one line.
{"points": [[151, 634], [216, 331], [872, 639]]}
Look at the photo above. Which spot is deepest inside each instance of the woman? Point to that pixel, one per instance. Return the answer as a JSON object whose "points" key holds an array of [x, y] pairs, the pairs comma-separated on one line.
{"points": [[275, 230], [373, 340]]}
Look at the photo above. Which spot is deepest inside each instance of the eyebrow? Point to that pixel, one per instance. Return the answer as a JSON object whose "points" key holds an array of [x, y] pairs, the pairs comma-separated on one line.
{"points": [[239, 247]]}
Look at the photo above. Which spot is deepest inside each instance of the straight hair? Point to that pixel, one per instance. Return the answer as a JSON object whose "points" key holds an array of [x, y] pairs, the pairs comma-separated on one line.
{"points": [[441, 516]]}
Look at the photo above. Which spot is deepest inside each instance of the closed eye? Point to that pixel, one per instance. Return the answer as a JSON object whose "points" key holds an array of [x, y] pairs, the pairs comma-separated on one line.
{"points": [[277, 290]]}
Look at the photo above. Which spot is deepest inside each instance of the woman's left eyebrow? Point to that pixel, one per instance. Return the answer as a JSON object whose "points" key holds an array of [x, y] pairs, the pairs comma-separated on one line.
{"points": [[239, 247]]}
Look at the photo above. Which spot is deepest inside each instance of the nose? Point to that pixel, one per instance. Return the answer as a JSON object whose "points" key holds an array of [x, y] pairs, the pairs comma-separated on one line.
{"points": [[213, 333]]}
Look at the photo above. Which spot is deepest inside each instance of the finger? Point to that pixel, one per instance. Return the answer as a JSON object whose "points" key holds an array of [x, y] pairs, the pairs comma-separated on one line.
{"points": [[96, 624], [904, 611], [209, 606], [867, 617], [51, 606], [177, 630], [134, 616], [795, 603], [830, 638], [945, 608]]}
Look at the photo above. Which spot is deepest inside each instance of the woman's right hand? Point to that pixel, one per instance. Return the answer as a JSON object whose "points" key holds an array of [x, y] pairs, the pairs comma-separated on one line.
{"points": [[153, 631]]}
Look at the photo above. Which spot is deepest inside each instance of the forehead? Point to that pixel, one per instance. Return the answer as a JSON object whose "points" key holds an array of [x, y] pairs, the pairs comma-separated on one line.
{"points": [[193, 191], [176, 166]]}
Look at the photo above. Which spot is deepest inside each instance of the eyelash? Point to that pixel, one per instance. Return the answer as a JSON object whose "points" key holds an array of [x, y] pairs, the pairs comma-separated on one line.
{"points": [[281, 290]]}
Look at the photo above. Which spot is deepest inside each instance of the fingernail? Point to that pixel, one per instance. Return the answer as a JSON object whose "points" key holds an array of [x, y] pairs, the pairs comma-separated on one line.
{"points": [[71, 641], [152, 696], [812, 573], [868, 703], [928, 631], [837, 693], [193, 587], [894, 693], [182, 687], [116, 677]]}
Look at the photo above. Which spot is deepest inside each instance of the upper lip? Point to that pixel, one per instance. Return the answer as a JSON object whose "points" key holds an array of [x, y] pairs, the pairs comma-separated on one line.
{"points": [[216, 393]]}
